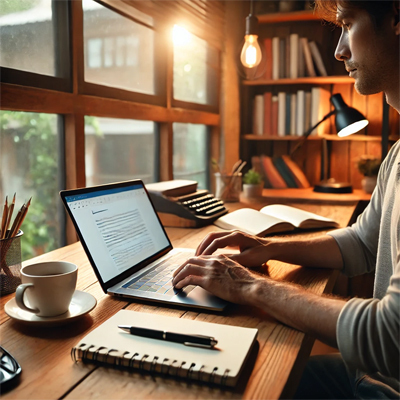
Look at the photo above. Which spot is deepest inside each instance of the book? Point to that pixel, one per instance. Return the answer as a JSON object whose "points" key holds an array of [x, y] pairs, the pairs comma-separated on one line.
{"points": [[300, 114], [284, 172], [282, 58], [320, 106], [308, 57], [281, 114], [258, 122], [274, 178], [307, 112], [316, 55], [267, 113], [174, 188], [222, 365], [268, 58], [297, 173], [273, 218], [274, 116], [275, 58], [294, 56], [293, 114]]}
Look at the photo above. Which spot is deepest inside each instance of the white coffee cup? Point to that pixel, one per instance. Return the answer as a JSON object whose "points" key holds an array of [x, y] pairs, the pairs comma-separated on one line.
{"points": [[47, 287]]}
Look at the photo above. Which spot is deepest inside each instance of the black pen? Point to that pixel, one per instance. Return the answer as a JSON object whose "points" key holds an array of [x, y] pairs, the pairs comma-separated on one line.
{"points": [[187, 340]]}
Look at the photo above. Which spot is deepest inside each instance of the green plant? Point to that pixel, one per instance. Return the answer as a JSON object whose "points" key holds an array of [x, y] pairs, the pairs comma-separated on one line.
{"points": [[252, 177], [368, 165]]}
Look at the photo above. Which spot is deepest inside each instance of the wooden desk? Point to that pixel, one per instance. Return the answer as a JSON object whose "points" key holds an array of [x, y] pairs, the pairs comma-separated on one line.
{"points": [[49, 373]]}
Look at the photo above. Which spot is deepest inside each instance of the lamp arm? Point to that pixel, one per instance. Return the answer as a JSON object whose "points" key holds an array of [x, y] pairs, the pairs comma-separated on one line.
{"points": [[308, 133]]}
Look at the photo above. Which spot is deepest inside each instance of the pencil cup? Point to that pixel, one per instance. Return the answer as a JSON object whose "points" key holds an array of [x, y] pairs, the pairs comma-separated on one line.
{"points": [[10, 264], [228, 186]]}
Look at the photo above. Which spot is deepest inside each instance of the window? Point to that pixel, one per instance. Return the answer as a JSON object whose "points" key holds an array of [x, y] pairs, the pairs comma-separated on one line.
{"points": [[130, 104], [29, 163], [28, 27], [191, 157], [119, 52], [119, 150], [195, 65]]}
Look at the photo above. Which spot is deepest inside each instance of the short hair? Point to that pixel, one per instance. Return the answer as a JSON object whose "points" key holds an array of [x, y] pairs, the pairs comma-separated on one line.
{"points": [[377, 9]]}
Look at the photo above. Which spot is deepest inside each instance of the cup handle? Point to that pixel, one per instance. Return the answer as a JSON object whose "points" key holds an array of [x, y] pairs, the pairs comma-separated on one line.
{"points": [[19, 298]]}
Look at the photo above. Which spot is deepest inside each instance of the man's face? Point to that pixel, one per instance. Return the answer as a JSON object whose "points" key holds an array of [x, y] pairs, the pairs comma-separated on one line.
{"points": [[370, 54]]}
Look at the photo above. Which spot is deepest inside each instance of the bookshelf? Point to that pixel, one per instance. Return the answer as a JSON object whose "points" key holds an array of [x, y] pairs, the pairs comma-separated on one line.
{"points": [[343, 151]]}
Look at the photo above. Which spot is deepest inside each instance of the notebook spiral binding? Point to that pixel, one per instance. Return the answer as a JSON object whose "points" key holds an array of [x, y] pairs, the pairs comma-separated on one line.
{"points": [[103, 355]]}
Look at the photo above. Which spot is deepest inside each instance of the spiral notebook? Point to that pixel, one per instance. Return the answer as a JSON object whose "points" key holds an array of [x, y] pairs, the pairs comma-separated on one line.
{"points": [[221, 365]]}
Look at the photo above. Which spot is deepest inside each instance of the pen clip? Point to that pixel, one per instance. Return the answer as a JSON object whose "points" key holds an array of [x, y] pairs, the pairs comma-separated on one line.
{"points": [[203, 346]]}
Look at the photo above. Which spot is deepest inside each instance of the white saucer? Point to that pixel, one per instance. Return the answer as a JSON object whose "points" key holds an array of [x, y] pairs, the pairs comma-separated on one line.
{"points": [[81, 304]]}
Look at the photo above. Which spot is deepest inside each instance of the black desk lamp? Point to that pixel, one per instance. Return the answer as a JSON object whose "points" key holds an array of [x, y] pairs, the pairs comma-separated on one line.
{"points": [[348, 121]]}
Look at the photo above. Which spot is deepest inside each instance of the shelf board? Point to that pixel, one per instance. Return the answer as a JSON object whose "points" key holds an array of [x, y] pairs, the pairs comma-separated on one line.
{"points": [[305, 15], [319, 80], [356, 138]]}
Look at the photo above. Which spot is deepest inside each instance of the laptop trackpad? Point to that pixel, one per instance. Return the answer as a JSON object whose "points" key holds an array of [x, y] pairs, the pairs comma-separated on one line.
{"points": [[184, 292]]}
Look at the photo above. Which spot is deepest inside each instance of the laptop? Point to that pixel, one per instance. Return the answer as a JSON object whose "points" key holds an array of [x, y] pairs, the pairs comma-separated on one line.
{"points": [[128, 247]]}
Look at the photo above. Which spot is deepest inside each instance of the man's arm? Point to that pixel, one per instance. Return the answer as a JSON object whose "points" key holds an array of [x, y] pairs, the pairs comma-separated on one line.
{"points": [[288, 303], [320, 252]]}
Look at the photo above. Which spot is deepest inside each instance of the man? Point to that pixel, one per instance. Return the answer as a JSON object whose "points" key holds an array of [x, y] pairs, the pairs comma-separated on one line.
{"points": [[366, 332]]}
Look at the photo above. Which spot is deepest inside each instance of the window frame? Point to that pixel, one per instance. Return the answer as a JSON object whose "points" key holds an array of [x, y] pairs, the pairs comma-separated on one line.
{"points": [[73, 98]]}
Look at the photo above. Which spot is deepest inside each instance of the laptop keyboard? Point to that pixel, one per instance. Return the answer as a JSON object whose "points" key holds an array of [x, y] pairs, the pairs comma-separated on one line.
{"points": [[159, 278]]}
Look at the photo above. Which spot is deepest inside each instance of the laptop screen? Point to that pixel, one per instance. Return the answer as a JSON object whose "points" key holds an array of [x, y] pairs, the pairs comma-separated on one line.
{"points": [[117, 225]]}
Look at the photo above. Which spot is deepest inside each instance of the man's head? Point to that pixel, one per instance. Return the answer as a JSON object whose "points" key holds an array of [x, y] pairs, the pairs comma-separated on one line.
{"points": [[369, 44]]}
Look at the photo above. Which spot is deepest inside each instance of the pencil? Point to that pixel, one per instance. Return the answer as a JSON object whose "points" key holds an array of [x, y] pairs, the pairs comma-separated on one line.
{"points": [[10, 213], [4, 219], [15, 223], [24, 211]]}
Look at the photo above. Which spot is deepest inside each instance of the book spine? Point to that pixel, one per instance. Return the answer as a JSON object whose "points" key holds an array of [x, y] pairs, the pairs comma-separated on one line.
{"points": [[281, 113], [267, 113], [274, 116], [151, 364], [294, 56], [275, 58], [268, 57], [308, 57], [258, 127]]}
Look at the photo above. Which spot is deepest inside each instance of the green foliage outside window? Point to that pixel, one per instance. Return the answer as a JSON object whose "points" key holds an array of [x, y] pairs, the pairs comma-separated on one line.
{"points": [[34, 172]]}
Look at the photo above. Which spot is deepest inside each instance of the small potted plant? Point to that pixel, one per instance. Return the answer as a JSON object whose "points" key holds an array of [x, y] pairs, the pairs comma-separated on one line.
{"points": [[369, 167], [252, 183]]}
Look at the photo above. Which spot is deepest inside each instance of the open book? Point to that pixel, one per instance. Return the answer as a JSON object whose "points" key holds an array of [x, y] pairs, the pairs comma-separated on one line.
{"points": [[273, 219]]}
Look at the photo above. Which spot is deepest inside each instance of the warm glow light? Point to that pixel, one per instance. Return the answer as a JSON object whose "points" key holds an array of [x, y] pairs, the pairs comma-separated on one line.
{"points": [[180, 36], [251, 55], [353, 128]]}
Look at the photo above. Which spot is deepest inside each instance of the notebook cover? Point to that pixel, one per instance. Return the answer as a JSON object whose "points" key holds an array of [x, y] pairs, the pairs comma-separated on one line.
{"points": [[221, 365]]}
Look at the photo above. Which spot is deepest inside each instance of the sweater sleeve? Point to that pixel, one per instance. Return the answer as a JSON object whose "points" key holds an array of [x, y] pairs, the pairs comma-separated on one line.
{"points": [[358, 244], [368, 332]]}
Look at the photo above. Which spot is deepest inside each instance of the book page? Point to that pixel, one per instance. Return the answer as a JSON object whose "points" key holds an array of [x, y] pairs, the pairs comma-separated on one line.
{"points": [[298, 218], [252, 222]]}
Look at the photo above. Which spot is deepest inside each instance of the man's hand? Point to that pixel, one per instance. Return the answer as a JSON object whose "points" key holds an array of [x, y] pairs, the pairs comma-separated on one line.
{"points": [[253, 250], [219, 275]]}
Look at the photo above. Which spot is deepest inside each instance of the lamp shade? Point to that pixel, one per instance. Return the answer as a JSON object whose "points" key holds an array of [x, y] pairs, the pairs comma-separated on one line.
{"points": [[348, 120]]}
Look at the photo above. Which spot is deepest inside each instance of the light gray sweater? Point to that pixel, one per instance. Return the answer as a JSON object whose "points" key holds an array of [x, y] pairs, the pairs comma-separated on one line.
{"points": [[368, 330]]}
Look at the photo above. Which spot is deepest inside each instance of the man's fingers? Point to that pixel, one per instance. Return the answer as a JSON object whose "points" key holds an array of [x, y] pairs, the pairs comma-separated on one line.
{"points": [[209, 239], [188, 274]]}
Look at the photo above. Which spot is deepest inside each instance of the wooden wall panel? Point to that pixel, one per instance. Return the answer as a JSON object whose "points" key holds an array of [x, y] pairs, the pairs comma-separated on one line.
{"points": [[339, 161], [374, 114], [357, 149], [313, 161]]}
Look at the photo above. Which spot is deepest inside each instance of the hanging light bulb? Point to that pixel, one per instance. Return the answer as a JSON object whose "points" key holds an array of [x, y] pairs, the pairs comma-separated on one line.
{"points": [[251, 52], [251, 55], [251, 61]]}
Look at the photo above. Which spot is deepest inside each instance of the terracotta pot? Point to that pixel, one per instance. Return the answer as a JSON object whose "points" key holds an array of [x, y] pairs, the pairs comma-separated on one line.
{"points": [[368, 183]]}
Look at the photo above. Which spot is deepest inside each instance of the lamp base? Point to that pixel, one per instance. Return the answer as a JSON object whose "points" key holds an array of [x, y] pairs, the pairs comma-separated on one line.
{"points": [[333, 187]]}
